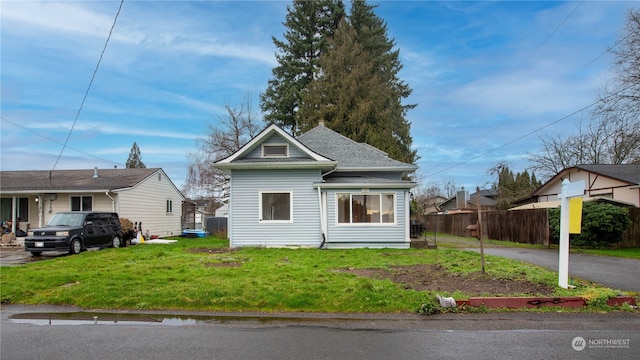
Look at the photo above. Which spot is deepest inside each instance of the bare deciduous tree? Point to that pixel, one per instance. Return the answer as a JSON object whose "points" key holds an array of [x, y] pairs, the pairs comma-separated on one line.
{"points": [[613, 134], [232, 131]]}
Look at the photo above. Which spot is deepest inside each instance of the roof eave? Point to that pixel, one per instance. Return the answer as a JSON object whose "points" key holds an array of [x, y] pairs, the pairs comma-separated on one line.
{"points": [[52, 191], [395, 185], [322, 165], [410, 168]]}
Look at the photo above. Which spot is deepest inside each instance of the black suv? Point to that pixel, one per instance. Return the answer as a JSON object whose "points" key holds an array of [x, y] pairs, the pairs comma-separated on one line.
{"points": [[75, 231]]}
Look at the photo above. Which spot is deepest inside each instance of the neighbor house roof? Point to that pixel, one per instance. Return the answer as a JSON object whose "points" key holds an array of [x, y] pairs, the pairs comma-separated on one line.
{"points": [[350, 154], [626, 172], [72, 180]]}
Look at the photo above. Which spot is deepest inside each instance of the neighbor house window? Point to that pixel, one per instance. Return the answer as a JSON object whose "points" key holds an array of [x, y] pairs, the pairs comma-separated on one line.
{"points": [[81, 203], [169, 206], [366, 208], [275, 206], [275, 150], [22, 209]]}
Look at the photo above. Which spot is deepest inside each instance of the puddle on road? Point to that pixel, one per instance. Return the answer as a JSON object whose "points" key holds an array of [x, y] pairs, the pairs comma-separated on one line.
{"points": [[91, 318]]}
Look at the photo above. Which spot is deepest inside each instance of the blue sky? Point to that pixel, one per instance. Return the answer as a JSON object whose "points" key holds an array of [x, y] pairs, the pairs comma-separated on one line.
{"points": [[485, 75]]}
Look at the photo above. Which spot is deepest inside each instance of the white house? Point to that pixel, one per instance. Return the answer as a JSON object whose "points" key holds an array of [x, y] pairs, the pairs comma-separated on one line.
{"points": [[618, 183], [30, 198], [318, 190]]}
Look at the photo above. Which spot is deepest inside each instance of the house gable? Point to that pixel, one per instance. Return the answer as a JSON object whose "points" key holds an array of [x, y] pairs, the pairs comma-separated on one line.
{"points": [[252, 155], [618, 182]]}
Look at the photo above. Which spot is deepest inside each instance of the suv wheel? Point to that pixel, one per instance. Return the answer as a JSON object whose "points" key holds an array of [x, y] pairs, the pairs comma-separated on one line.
{"points": [[75, 247], [115, 242]]}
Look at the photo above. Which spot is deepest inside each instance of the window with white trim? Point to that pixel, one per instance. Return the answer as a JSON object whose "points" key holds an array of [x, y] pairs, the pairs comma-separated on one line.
{"points": [[81, 203], [357, 208], [275, 150], [169, 206], [275, 206]]}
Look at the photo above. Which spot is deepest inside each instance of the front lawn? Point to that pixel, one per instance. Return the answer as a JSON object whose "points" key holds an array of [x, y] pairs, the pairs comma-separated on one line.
{"points": [[203, 274]]}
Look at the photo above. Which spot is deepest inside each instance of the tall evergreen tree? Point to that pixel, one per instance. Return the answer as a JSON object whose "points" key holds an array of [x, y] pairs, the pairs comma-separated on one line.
{"points": [[135, 159], [371, 32], [358, 93], [512, 187], [346, 95], [310, 23]]}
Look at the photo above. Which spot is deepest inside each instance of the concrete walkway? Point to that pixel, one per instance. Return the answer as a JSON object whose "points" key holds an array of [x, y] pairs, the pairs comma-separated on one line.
{"points": [[613, 272]]}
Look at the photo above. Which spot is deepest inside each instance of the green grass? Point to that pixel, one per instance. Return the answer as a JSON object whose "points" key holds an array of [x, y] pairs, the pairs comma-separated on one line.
{"points": [[249, 279], [633, 253]]}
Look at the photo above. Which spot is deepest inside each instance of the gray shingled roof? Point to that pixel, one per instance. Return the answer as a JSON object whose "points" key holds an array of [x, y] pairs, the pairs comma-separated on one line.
{"points": [[61, 180], [348, 153], [625, 172]]}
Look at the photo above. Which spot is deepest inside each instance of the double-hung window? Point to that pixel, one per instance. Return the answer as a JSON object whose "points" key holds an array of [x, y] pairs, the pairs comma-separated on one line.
{"points": [[275, 206], [81, 203], [366, 208]]}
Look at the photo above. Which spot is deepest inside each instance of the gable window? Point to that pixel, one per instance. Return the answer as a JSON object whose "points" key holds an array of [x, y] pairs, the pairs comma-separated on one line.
{"points": [[366, 208], [275, 206], [275, 150], [81, 203], [169, 206]]}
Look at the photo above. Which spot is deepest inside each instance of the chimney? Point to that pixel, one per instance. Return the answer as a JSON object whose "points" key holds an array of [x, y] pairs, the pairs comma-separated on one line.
{"points": [[95, 172], [321, 123]]}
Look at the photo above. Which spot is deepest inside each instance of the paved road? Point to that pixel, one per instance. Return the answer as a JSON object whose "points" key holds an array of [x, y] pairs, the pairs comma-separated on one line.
{"points": [[616, 273], [197, 336]]}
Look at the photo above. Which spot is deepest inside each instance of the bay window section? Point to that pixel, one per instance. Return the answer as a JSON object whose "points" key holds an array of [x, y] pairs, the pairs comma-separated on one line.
{"points": [[366, 208]]}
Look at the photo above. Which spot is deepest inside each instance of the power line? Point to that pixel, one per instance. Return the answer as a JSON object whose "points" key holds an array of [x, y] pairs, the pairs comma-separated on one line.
{"points": [[93, 76], [550, 35], [56, 141], [532, 132], [527, 107]]}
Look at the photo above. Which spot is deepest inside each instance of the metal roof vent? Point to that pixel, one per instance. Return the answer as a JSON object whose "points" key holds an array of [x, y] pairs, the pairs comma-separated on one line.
{"points": [[95, 172]]}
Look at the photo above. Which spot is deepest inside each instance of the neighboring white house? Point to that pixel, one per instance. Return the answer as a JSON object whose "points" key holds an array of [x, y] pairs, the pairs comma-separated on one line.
{"points": [[618, 183], [30, 198], [222, 211], [320, 189]]}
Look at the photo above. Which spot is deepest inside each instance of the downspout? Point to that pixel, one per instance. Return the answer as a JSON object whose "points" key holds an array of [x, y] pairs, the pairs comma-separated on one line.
{"points": [[113, 202], [322, 222], [407, 218], [324, 237]]}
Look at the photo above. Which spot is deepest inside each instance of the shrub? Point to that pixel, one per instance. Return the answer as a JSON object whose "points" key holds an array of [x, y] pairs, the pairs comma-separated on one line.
{"points": [[602, 225]]}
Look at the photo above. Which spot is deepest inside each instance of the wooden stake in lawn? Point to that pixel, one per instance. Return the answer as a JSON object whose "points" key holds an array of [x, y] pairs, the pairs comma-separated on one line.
{"points": [[480, 227], [568, 190]]}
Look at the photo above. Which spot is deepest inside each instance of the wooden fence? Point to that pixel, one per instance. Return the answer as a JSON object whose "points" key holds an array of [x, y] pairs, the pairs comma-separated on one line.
{"points": [[631, 238], [522, 226]]}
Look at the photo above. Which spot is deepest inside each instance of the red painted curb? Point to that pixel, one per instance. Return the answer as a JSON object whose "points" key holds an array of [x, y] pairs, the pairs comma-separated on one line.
{"points": [[536, 302]]}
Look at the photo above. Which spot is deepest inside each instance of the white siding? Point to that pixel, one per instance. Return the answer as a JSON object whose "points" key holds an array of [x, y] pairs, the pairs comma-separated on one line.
{"points": [[245, 229], [146, 203], [363, 235]]}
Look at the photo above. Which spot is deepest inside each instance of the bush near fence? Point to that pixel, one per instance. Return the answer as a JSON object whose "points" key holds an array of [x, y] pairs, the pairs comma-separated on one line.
{"points": [[521, 226]]}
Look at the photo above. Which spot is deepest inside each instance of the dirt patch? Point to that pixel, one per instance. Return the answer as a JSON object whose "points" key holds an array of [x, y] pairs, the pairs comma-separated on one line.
{"points": [[212, 250], [229, 264], [437, 278]]}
